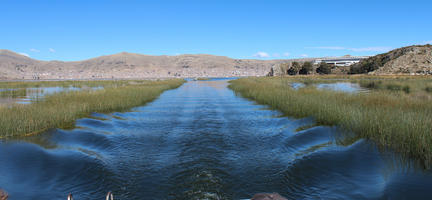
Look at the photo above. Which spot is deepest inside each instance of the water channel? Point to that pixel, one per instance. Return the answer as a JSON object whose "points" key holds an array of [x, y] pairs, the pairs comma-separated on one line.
{"points": [[201, 141]]}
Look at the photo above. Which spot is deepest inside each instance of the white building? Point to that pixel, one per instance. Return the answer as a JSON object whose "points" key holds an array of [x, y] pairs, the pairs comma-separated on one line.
{"points": [[340, 61]]}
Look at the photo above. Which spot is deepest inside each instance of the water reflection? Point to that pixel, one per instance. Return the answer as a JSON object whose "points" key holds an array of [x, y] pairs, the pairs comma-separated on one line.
{"points": [[342, 86], [27, 95], [201, 141], [338, 86]]}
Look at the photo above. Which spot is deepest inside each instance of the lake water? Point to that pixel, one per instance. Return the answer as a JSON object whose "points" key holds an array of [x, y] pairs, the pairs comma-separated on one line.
{"points": [[29, 95], [201, 141], [338, 86]]}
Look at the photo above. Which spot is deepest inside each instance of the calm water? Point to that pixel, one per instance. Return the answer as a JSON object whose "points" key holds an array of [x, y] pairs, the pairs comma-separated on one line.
{"points": [[201, 141], [338, 86], [342, 86], [28, 95]]}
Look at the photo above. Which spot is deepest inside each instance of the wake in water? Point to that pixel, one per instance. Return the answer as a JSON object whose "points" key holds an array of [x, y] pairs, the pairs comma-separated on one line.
{"points": [[201, 141]]}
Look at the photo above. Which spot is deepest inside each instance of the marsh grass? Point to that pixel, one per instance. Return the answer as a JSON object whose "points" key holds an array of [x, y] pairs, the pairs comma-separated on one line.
{"points": [[393, 119], [305, 127], [76, 83], [14, 93], [62, 109], [394, 83]]}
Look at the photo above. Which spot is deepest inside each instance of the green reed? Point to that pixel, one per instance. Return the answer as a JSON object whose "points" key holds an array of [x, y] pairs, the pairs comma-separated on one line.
{"points": [[395, 119], [69, 83], [202, 79], [14, 93], [62, 109]]}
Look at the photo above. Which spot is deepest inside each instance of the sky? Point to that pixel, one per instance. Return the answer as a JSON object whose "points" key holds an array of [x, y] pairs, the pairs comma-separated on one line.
{"points": [[265, 29]]}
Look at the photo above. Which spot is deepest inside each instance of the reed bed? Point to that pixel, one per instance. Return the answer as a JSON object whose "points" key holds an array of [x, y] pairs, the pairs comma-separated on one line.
{"points": [[62, 109], [14, 93], [202, 79], [69, 83], [393, 119]]}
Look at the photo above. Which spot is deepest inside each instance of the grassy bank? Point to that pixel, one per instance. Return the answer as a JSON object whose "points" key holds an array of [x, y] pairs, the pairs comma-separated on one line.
{"points": [[62, 109], [69, 83], [391, 118]]}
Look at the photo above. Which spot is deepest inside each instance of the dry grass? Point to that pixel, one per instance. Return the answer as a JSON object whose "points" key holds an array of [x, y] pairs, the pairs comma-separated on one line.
{"points": [[62, 109], [202, 79], [395, 119], [76, 83]]}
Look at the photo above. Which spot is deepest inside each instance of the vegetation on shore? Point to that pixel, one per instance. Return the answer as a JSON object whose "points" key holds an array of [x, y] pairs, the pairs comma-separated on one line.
{"points": [[396, 119], [69, 83], [416, 59], [62, 109], [13, 93], [295, 68], [410, 60]]}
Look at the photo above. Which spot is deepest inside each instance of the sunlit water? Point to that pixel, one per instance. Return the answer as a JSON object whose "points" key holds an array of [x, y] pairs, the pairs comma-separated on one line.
{"points": [[338, 86], [342, 86], [200, 141], [29, 95]]}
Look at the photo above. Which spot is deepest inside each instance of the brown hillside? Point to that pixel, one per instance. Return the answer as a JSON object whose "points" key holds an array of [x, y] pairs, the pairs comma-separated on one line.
{"points": [[406, 60], [130, 65]]}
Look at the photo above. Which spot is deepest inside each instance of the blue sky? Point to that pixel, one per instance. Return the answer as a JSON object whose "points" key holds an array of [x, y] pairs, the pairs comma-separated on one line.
{"points": [[77, 30]]}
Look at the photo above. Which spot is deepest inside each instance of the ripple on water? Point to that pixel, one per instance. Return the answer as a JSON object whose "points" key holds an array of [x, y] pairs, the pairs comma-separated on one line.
{"points": [[201, 141]]}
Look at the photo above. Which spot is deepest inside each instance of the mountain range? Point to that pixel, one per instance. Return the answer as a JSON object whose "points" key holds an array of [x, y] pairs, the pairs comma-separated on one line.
{"points": [[132, 66]]}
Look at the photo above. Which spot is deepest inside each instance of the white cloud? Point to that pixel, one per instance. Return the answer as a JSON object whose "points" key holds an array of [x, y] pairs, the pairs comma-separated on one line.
{"points": [[24, 54], [363, 49], [261, 55], [304, 55], [276, 55], [51, 50], [34, 50], [428, 42], [286, 54]]}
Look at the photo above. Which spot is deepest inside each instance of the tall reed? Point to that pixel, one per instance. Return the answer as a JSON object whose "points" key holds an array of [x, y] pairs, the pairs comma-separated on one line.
{"points": [[62, 109], [392, 119]]}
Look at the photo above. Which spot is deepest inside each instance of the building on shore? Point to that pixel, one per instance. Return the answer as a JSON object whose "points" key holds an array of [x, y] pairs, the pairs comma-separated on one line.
{"points": [[340, 61]]}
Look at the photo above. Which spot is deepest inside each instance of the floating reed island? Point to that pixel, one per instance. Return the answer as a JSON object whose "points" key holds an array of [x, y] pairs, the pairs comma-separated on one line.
{"points": [[395, 113], [60, 110]]}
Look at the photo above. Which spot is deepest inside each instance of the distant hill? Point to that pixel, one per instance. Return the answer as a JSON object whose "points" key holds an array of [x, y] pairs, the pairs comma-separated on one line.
{"points": [[415, 59], [130, 65]]}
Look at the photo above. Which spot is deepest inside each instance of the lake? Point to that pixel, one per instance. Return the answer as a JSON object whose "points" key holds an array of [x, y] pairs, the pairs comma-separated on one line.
{"points": [[201, 141]]}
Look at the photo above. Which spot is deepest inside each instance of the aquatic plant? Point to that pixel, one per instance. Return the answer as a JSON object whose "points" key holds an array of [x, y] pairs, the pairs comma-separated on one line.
{"points": [[13, 93], [62, 109], [69, 83], [398, 120]]}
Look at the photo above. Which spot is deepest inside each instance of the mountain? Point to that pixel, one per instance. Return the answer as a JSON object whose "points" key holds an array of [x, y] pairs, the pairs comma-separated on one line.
{"points": [[415, 59], [131, 65]]}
